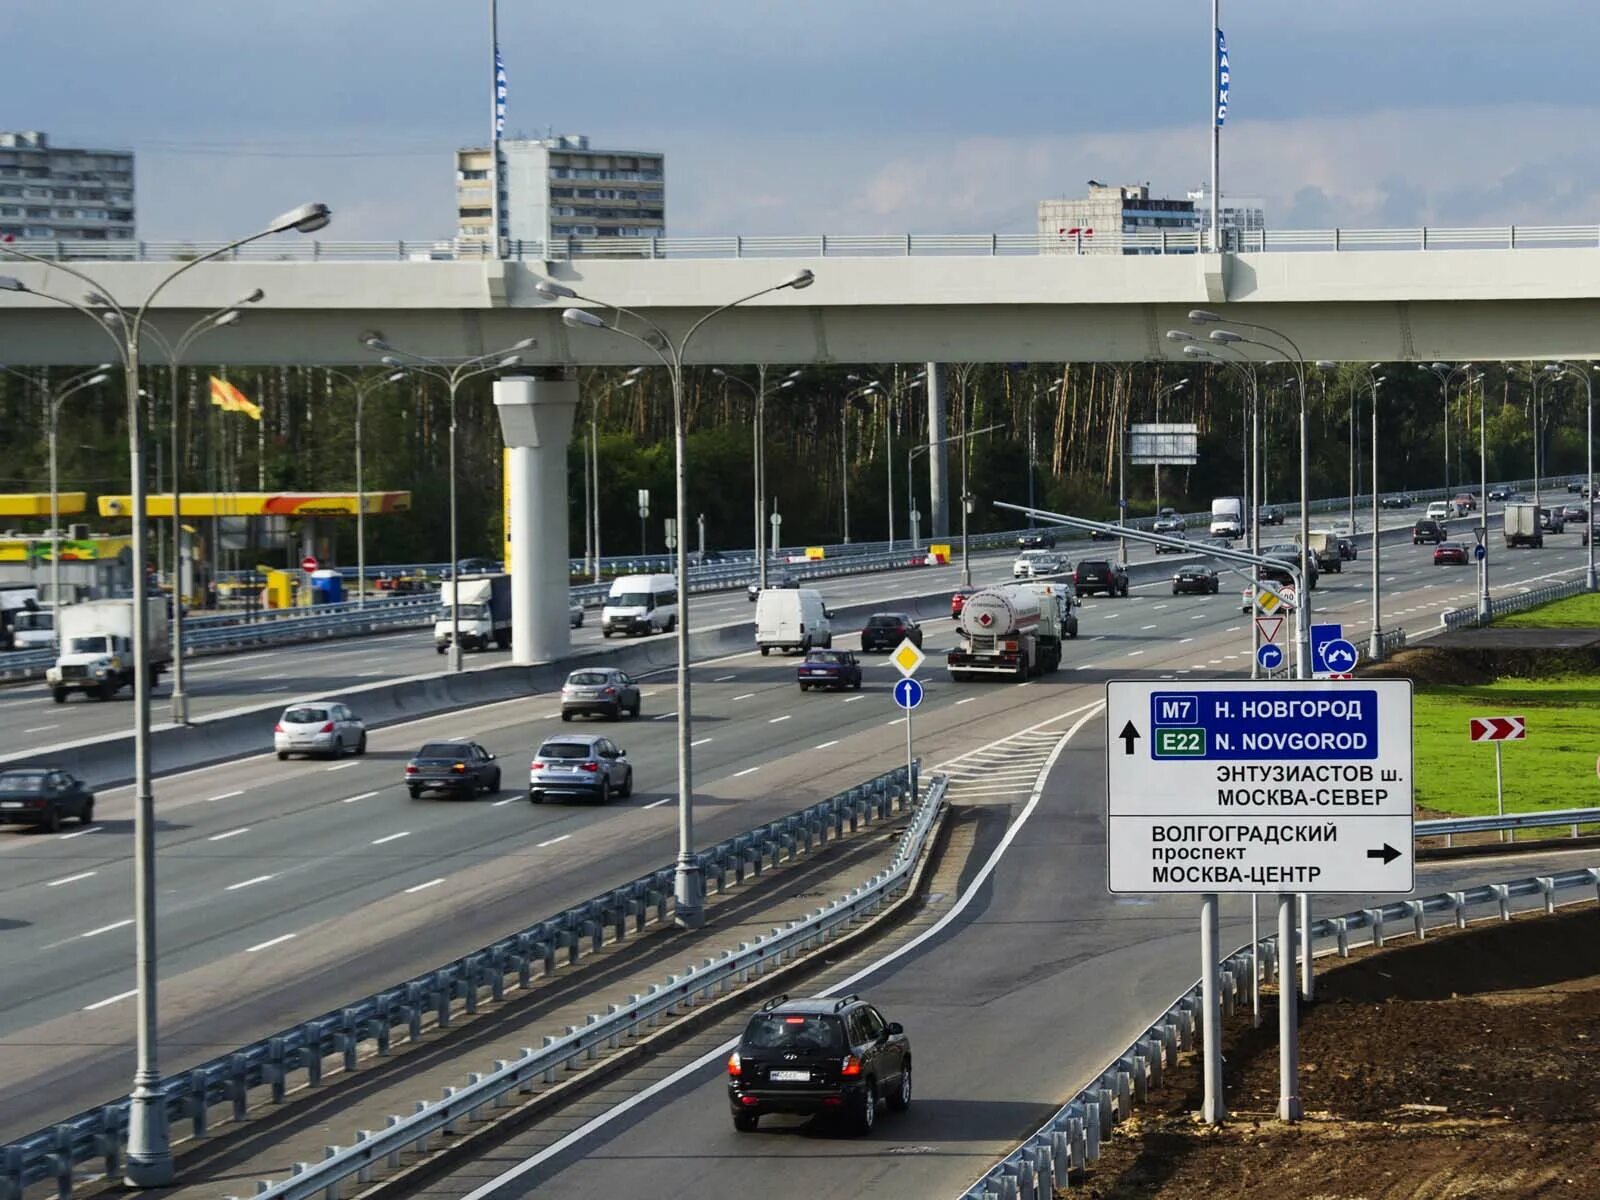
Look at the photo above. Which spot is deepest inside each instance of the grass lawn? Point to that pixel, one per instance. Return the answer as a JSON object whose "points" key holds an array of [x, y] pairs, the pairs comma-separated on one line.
{"points": [[1553, 767], [1575, 612]]}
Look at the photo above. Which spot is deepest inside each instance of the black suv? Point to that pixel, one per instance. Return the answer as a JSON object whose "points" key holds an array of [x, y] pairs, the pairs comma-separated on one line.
{"points": [[1100, 575], [884, 631], [1427, 530], [1036, 541], [819, 1057]]}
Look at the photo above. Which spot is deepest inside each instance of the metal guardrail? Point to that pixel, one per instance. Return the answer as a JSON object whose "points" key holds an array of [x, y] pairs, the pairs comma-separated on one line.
{"points": [[1071, 1138], [100, 1134], [903, 245], [1389, 641], [1501, 606], [1449, 827]]}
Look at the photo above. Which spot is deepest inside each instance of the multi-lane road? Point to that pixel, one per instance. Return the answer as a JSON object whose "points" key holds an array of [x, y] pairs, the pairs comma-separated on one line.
{"points": [[286, 888]]}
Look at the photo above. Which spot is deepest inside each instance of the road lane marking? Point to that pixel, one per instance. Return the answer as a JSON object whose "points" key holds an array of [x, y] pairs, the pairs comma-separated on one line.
{"points": [[71, 878], [554, 840], [724, 678], [968, 700], [109, 1000], [422, 887], [393, 837], [1135, 653], [659, 803], [506, 801], [222, 837], [853, 699], [665, 716], [746, 696], [1142, 628], [825, 745], [746, 771], [108, 928], [1181, 641], [775, 720], [341, 766], [41, 729], [234, 887], [223, 796], [699, 742], [362, 796], [67, 837], [270, 942]]}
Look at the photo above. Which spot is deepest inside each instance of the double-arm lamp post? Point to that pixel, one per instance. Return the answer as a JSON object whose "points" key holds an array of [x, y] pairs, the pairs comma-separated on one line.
{"points": [[452, 373], [891, 397], [688, 891], [1561, 370], [759, 391], [363, 386], [149, 1153]]}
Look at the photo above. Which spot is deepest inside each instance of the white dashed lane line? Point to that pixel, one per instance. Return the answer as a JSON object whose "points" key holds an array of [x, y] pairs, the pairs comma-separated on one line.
{"points": [[746, 771], [422, 887], [109, 1000], [393, 837], [71, 878], [270, 942], [234, 887], [108, 928], [222, 796], [362, 796], [222, 837], [554, 840]]}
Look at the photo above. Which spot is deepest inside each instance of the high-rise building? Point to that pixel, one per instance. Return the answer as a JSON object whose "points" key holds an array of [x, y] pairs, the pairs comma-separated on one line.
{"points": [[558, 187], [1245, 214], [1101, 222], [67, 195]]}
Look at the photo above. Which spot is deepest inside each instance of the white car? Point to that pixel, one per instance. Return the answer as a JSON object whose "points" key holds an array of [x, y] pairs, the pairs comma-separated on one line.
{"points": [[319, 727], [1037, 563], [1441, 510]]}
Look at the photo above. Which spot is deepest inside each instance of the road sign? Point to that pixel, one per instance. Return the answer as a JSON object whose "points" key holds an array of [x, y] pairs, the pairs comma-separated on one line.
{"points": [[1498, 729], [1331, 654], [1480, 552], [1269, 600], [908, 657], [308, 564], [1339, 656], [1268, 628], [1259, 786], [1269, 657], [908, 694]]}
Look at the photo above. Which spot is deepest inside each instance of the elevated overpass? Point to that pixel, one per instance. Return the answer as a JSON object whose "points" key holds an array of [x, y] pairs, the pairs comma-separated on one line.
{"points": [[1506, 293]]}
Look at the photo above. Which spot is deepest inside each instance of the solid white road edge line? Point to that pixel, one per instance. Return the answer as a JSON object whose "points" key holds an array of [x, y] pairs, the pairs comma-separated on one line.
{"points": [[711, 1056]]}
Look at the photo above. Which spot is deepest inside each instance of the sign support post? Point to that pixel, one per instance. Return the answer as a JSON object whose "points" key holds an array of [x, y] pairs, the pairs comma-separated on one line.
{"points": [[1288, 1016], [1215, 1108], [1255, 961], [908, 658], [1499, 789]]}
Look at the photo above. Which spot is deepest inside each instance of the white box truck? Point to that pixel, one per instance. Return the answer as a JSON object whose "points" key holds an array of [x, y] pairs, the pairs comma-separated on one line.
{"points": [[1012, 631], [1227, 517], [485, 615], [792, 619], [96, 654], [16, 599], [1522, 526]]}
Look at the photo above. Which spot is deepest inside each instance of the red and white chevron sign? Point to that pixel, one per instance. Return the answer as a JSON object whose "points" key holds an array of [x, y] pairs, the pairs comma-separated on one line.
{"points": [[1499, 729]]}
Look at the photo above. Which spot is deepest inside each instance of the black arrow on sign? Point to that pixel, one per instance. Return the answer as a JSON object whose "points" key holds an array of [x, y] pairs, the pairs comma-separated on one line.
{"points": [[1388, 854], [1129, 736]]}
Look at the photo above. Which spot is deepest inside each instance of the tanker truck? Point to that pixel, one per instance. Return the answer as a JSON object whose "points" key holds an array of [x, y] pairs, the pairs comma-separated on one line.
{"points": [[1011, 631]]}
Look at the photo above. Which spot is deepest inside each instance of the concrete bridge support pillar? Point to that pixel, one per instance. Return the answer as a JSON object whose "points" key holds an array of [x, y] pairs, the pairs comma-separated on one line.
{"points": [[938, 389], [536, 414]]}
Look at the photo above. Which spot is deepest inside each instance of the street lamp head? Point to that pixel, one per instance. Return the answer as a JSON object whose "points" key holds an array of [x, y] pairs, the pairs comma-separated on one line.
{"points": [[96, 380], [1180, 335], [1377, 379], [551, 290], [577, 318], [627, 381], [1198, 352], [1327, 364], [231, 317], [524, 344], [374, 342], [719, 372], [785, 385], [1439, 366], [390, 360], [795, 374], [97, 300], [635, 372], [1226, 336], [799, 280], [308, 218], [10, 283], [394, 377], [253, 298], [1203, 316], [509, 360], [1180, 385]]}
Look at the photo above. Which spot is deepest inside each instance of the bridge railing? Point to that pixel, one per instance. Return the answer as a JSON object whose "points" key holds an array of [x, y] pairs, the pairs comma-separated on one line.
{"points": [[1071, 242]]}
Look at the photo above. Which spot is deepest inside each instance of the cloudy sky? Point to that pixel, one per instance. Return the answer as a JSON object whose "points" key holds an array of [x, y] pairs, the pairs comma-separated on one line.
{"points": [[840, 116]]}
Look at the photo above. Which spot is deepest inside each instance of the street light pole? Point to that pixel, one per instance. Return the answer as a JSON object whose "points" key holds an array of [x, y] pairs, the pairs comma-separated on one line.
{"points": [[451, 373], [688, 887], [149, 1153], [1375, 645], [1566, 370], [1483, 509], [363, 387], [758, 456], [1444, 372]]}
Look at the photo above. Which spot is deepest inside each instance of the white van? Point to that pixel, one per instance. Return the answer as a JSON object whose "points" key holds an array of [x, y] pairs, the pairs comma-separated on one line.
{"points": [[792, 619], [640, 604]]}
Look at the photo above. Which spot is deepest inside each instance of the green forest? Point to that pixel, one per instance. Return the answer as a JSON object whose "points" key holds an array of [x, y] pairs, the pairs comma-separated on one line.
{"points": [[821, 433]]}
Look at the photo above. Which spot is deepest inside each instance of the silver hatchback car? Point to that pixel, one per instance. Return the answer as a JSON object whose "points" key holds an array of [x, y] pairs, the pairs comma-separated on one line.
{"points": [[319, 727], [579, 767]]}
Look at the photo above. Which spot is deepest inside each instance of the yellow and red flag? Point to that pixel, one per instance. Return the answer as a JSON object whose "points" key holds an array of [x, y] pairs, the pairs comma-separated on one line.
{"points": [[230, 399]]}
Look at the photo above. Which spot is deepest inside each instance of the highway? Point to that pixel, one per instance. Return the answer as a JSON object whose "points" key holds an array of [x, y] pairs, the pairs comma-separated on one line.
{"points": [[286, 888]]}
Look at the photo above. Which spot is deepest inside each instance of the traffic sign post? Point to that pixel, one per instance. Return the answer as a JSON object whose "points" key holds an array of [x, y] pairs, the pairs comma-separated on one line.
{"points": [[1245, 787], [1498, 730], [1269, 657], [1332, 656], [308, 564], [908, 658]]}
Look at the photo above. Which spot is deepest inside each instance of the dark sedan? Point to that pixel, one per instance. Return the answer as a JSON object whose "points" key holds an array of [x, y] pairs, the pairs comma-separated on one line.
{"points": [[885, 631], [460, 768], [781, 580], [1036, 541], [1499, 493], [1178, 535], [44, 796], [1272, 516], [838, 669], [1450, 552], [1574, 514], [1203, 580]]}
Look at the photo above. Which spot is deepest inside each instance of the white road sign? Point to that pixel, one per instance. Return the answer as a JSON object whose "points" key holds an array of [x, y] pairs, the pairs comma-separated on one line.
{"points": [[1259, 786]]}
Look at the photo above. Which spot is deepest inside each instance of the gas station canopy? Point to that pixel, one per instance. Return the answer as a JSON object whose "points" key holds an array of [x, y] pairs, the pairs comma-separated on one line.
{"points": [[261, 504], [37, 504]]}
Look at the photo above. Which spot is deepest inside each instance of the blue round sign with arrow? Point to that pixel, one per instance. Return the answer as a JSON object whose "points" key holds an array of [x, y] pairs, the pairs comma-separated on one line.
{"points": [[908, 694], [1269, 657], [1480, 552]]}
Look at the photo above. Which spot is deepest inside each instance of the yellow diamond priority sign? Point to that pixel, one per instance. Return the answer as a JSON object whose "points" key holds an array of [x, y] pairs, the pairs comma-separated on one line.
{"points": [[1268, 600], [908, 657]]}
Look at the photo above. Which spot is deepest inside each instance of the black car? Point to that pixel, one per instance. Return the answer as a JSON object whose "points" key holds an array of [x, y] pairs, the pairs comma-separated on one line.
{"points": [[1178, 534], [1575, 485], [1574, 514], [1499, 493], [829, 669], [1394, 501], [1100, 575], [478, 566], [461, 768], [1427, 530], [43, 796], [698, 559], [1288, 552], [884, 631], [1271, 516], [823, 1057], [1347, 548], [1195, 579], [780, 580], [1036, 541]]}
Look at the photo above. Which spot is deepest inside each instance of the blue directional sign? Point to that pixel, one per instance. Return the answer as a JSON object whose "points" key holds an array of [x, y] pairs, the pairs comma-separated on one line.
{"points": [[1339, 657], [1321, 635], [908, 694], [1480, 552], [1269, 657], [1246, 725]]}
